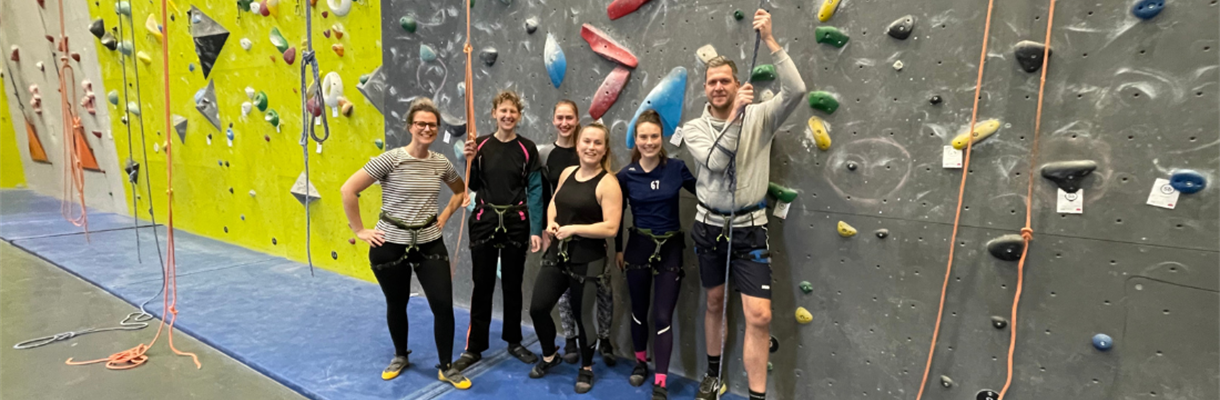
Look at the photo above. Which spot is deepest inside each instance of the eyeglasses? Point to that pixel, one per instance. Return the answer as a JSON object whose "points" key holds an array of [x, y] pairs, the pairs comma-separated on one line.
{"points": [[425, 125]]}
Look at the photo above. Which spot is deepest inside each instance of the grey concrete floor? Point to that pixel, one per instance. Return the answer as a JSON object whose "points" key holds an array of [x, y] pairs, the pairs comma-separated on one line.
{"points": [[38, 299]]}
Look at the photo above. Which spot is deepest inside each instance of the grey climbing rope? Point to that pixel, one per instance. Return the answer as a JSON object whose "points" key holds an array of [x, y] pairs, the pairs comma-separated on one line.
{"points": [[134, 177], [307, 131]]}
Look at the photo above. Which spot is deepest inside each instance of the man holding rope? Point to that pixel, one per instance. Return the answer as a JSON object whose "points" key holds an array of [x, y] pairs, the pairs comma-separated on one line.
{"points": [[731, 221]]}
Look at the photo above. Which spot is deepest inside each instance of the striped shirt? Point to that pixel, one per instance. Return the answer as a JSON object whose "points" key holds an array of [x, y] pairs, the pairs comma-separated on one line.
{"points": [[409, 188]]}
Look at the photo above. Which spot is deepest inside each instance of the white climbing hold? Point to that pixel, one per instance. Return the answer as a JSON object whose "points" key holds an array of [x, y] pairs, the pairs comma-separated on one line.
{"points": [[246, 43], [898, 65], [245, 108], [767, 95], [340, 7], [251, 192], [706, 53], [250, 92], [256, 8], [332, 89]]}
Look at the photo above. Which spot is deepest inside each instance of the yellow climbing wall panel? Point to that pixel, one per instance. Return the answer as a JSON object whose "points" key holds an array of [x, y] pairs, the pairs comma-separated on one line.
{"points": [[261, 159], [12, 174]]}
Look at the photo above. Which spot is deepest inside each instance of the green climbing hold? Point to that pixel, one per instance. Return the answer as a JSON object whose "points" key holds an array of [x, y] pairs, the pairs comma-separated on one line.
{"points": [[786, 195], [763, 73], [273, 118], [244, 5], [806, 287], [823, 101], [830, 35], [380, 144], [282, 44], [364, 78], [260, 100], [769, 366], [738, 15], [408, 23]]}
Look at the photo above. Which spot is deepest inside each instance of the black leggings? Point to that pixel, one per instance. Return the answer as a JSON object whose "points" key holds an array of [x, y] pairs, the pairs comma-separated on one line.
{"points": [[431, 263], [551, 284], [668, 274]]}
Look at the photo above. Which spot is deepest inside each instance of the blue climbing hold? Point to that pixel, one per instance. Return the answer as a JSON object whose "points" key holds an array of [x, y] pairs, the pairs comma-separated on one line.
{"points": [[426, 53], [1102, 342], [1146, 9], [458, 154], [666, 98], [229, 133], [191, 67], [1187, 181], [556, 63]]}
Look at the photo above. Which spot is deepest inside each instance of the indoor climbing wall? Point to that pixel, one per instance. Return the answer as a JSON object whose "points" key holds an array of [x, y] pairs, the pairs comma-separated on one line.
{"points": [[11, 172], [237, 119], [1119, 296], [34, 112]]}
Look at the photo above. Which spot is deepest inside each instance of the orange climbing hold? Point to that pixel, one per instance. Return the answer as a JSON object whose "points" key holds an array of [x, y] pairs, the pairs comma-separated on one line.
{"points": [[37, 153], [338, 48], [84, 153]]}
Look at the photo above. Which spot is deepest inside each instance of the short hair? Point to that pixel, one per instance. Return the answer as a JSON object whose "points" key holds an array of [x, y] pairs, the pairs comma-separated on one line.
{"points": [[506, 95], [720, 61], [649, 117], [422, 104]]}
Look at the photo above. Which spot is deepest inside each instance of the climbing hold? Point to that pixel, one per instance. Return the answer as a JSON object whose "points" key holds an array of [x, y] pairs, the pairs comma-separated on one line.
{"points": [[87, 102], [553, 58], [260, 100], [246, 44], [332, 88], [340, 7], [408, 23], [374, 88], [153, 27], [1029, 55], [882, 233], [113, 97], [333, 254], [806, 287], [180, 127], [244, 5], [76, 57], [606, 47], [272, 7], [830, 35], [767, 94], [1068, 174], [846, 230], [314, 107], [380, 144], [107, 40], [191, 67], [338, 30], [278, 40], [1007, 247], [489, 56], [898, 65], [144, 57], [935, 100], [531, 25], [133, 108], [827, 10], [1146, 9], [803, 316], [1103, 342], [231, 136], [15, 54], [819, 132], [125, 47], [851, 166], [667, 99], [363, 78], [774, 344], [784, 194], [426, 53], [1187, 181], [351, 241], [618, 8], [901, 28], [97, 28], [273, 118], [823, 101], [260, 9], [338, 48], [763, 73], [205, 102], [945, 381], [998, 322], [987, 394], [706, 53], [209, 39], [123, 8], [346, 107], [304, 191], [982, 130], [252, 193], [769, 366], [290, 55], [738, 15], [325, 14], [608, 92]]}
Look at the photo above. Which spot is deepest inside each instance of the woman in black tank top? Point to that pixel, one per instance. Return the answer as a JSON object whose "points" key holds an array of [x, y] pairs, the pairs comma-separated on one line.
{"points": [[584, 212]]}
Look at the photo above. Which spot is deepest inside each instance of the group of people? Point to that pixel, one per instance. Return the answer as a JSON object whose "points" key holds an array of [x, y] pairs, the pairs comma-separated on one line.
{"points": [[565, 200]]}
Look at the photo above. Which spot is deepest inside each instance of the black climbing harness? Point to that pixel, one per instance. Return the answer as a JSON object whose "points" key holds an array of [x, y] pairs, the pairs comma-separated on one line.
{"points": [[654, 260], [561, 261], [500, 210], [412, 247], [726, 228]]}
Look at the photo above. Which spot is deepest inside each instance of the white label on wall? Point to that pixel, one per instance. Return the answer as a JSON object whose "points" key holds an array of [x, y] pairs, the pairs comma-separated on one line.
{"points": [[781, 210], [1070, 203], [952, 158], [448, 137], [1163, 194], [230, 142], [319, 149], [676, 139]]}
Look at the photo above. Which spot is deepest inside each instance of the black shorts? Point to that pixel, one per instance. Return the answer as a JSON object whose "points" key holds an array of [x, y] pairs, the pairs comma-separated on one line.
{"points": [[751, 270], [640, 247]]}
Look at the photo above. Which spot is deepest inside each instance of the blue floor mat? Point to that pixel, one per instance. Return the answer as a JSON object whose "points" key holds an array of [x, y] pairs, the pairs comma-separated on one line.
{"points": [[25, 214]]}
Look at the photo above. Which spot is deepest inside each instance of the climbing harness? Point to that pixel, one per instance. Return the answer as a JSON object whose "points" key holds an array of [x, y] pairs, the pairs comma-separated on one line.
{"points": [[961, 191], [308, 58], [413, 230], [654, 259], [561, 261], [500, 228]]}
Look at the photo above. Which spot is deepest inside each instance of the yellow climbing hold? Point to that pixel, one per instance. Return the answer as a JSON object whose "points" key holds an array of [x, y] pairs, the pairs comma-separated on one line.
{"points": [[846, 230], [982, 130], [803, 316], [827, 10], [154, 27], [821, 135], [144, 57]]}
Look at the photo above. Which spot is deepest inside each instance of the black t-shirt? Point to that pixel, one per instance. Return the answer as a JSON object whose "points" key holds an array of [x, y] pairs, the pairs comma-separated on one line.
{"points": [[500, 170], [559, 159]]}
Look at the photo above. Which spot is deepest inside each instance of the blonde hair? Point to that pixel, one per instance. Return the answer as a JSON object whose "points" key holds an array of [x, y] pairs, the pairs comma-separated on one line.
{"points": [[605, 161], [506, 95]]}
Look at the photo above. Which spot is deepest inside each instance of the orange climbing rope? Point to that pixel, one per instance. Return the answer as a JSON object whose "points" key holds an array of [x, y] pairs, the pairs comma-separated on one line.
{"points": [[1027, 233], [471, 133], [974, 114], [74, 171], [137, 356]]}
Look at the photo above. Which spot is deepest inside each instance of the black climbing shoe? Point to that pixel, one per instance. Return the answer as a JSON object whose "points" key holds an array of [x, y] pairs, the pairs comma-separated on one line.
{"points": [[396, 366], [607, 350], [543, 366], [638, 374], [584, 381], [660, 393], [710, 388], [466, 360], [523, 354], [571, 352]]}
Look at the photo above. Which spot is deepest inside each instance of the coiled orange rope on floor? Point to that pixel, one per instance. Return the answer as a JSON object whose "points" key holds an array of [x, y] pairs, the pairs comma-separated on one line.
{"points": [[74, 172], [471, 133], [974, 114]]}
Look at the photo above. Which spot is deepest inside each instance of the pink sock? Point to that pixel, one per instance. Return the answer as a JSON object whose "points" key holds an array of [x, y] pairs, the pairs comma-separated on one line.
{"points": [[659, 380], [641, 356]]}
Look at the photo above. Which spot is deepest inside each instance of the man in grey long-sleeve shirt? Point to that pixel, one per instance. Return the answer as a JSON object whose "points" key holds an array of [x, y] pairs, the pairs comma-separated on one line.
{"points": [[743, 147]]}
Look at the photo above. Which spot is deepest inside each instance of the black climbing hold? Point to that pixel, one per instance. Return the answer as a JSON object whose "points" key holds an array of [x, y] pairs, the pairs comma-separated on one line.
{"points": [[226, 163], [230, 190], [273, 243], [851, 166], [489, 55], [738, 15], [1187, 181], [883, 233], [334, 255], [998, 322], [987, 394], [945, 381], [226, 229], [1146, 9], [531, 25], [774, 344], [935, 100], [98, 28], [1029, 55], [1068, 174], [1007, 247], [133, 170], [901, 28], [109, 41]]}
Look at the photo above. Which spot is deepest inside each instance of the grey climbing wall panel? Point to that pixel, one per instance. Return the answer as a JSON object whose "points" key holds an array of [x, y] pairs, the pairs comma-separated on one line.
{"points": [[1138, 97]]}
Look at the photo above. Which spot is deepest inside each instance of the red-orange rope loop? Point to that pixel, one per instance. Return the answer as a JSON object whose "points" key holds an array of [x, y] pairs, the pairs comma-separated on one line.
{"points": [[471, 133], [74, 172], [974, 114]]}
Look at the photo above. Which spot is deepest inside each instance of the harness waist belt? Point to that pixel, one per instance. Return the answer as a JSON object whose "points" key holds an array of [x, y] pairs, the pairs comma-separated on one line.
{"points": [[761, 205], [411, 229]]}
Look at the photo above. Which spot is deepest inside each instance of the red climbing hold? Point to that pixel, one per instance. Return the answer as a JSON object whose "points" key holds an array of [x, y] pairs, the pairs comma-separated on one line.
{"points": [[290, 55], [608, 92], [15, 55], [76, 57], [619, 8], [602, 44]]}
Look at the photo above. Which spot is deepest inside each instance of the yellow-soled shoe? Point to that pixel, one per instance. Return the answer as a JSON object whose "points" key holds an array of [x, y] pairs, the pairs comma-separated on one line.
{"points": [[396, 366], [454, 377]]}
